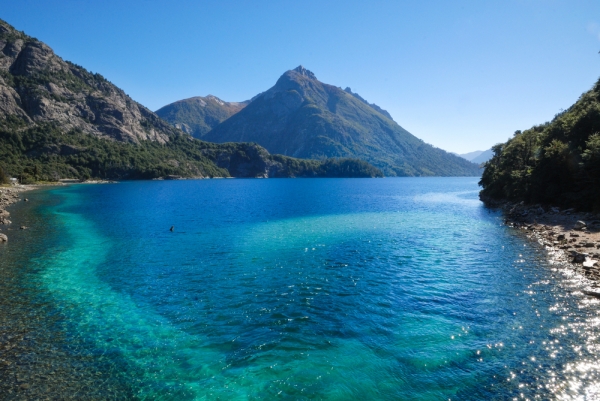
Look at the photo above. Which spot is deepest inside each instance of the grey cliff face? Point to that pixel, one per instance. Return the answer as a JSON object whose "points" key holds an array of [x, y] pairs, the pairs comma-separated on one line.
{"points": [[37, 86]]}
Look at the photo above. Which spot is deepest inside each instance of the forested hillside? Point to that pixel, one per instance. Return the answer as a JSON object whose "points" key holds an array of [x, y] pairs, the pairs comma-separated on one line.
{"points": [[556, 163]]}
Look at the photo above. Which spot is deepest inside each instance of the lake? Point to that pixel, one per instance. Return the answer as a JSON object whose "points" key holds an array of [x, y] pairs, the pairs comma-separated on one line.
{"points": [[324, 289]]}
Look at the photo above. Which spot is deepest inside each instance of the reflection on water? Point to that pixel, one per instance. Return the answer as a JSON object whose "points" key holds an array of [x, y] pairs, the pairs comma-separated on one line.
{"points": [[297, 289]]}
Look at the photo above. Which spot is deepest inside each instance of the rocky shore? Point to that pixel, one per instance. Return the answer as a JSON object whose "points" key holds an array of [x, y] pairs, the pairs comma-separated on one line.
{"points": [[571, 237], [8, 196]]}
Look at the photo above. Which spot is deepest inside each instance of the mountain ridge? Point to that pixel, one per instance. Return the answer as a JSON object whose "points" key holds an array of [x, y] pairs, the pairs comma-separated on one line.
{"points": [[37, 86], [483, 157], [58, 120], [197, 115], [477, 156], [302, 117]]}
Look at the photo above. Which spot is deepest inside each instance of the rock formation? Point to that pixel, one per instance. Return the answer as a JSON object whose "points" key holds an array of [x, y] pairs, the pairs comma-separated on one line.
{"points": [[37, 86]]}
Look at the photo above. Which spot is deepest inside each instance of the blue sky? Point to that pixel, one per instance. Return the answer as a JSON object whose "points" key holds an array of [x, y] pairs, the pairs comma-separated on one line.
{"points": [[461, 75]]}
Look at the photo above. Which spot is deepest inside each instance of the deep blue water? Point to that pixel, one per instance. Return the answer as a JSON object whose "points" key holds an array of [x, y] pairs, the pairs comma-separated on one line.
{"points": [[333, 289]]}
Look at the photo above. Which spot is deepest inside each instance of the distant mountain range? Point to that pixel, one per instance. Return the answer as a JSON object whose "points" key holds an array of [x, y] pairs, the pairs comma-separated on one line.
{"points": [[58, 120], [305, 118], [478, 156]]}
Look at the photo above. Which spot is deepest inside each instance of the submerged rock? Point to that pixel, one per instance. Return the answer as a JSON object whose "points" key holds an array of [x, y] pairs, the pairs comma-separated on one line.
{"points": [[579, 225], [3, 238]]}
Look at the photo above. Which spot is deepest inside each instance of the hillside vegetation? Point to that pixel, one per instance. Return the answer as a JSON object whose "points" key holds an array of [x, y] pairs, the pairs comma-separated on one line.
{"points": [[45, 153], [556, 163]]}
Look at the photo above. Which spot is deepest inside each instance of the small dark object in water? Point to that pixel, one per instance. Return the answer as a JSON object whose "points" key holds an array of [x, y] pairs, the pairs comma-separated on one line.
{"points": [[172, 228]]}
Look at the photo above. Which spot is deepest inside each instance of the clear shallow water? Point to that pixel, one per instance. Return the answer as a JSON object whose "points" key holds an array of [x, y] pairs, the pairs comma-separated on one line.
{"points": [[330, 289]]}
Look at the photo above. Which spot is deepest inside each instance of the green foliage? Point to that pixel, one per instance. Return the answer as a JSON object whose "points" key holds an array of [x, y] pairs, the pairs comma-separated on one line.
{"points": [[44, 153], [555, 163], [332, 168], [3, 178]]}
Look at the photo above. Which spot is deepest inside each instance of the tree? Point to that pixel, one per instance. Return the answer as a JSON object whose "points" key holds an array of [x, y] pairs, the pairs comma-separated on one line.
{"points": [[3, 178]]}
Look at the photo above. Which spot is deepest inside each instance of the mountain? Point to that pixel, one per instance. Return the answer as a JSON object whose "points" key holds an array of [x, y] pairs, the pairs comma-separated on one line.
{"points": [[471, 155], [58, 120], [478, 156], [303, 117], [555, 163], [483, 157], [37, 86], [198, 115], [372, 105]]}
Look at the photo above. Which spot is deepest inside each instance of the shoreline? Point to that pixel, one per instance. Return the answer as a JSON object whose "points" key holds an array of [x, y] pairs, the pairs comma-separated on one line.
{"points": [[8, 197], [569, 237]]}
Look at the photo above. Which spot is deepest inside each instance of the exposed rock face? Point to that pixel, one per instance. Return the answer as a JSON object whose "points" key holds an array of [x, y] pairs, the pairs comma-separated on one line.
{"points": [[305, 118], [38, 86], [198, 115]]}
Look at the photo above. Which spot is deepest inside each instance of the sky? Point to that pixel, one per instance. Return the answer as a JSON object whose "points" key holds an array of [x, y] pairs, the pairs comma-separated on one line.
{"points": [[462, 75]]}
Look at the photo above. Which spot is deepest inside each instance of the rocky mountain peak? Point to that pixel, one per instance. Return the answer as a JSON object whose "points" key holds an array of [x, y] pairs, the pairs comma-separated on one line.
{"points": [[39, 87], [303, 71], [215, 99]]}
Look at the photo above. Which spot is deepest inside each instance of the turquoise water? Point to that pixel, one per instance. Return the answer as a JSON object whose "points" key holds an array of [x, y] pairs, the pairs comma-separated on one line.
{"points": [[331, 289]]}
